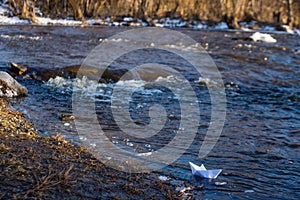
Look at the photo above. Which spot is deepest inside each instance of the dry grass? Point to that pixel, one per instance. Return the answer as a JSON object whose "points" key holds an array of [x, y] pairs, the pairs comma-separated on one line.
{"points": [[231, 11], [35, 167]]}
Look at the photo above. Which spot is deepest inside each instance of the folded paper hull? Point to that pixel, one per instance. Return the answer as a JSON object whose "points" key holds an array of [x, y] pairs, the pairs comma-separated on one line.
{"points": [[203, 172]]}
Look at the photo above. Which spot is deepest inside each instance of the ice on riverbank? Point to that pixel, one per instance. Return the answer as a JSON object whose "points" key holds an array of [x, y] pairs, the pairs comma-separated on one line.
{"points": [[262, 37], [49, 21], [4, 19]]}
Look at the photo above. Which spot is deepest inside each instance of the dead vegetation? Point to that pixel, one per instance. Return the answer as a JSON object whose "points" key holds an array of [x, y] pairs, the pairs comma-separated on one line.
{"points": [[231, 11], [36, 167]]}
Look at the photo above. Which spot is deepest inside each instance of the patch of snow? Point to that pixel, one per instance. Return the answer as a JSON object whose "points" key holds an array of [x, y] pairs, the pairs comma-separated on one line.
{"points": [[114, 24], [127, 19], [144, 24], [12, 20], [248, 24], [3, 10], [200, 26], [136, 24], [94, 21], [262, 37], [49, 21], [159, 25], [38, 12], [287, 28], [9, 20], [268, 28], [221, 26]]}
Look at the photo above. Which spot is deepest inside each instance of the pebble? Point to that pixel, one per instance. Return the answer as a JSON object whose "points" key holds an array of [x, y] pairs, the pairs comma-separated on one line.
{"points": [[66, 117]]}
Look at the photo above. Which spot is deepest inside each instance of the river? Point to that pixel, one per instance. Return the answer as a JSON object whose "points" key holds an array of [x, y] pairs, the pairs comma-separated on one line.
{"points": [[259, 148]]}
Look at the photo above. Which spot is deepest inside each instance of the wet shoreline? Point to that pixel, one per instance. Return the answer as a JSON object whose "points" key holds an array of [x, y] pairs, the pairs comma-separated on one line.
{"points": [[34, 166]]}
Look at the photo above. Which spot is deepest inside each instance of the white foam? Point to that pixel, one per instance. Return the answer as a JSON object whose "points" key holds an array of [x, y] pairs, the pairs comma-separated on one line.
{"points": [[131, 83], [91, 88], [83, 85], [21, 37], [163, 178], [209, 82], [194, 47], [145, 154]]}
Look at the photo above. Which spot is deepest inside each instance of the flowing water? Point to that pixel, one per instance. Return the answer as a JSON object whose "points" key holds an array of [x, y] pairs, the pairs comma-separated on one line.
{"points": [[259, 148]]}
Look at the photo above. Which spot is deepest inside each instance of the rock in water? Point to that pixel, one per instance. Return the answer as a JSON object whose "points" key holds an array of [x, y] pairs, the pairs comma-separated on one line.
{"points": [[66, 117], [18, 69], [9, 87]]}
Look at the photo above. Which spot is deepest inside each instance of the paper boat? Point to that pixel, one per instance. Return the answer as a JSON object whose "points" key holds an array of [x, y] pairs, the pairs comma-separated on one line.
{"points": [[203, 172]]}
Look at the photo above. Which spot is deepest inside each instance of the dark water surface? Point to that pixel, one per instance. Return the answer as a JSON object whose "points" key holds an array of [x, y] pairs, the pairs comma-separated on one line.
{"points": [[259, 149]]}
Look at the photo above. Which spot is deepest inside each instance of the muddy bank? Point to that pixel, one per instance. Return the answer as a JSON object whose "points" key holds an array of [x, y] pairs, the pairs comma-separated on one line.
{"points": [[32, 166], [230, 11]]}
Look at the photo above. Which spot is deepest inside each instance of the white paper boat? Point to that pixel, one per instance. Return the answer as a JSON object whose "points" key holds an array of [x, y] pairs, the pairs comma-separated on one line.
{"points": [[203, 172]]}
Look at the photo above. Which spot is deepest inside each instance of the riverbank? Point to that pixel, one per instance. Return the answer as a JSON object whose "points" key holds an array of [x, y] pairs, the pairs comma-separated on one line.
{"points": [[230, 11], [215, 15], [33, 166]]}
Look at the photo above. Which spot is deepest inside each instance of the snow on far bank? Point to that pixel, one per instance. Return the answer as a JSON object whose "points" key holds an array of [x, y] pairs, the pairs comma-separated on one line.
{"points": [[12, 20], [4, 19], [129, 21], [2, 10], [48, 21]]}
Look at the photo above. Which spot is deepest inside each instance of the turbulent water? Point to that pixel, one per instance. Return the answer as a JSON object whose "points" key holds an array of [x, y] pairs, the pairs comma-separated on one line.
{"points": [[259, 148]]}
